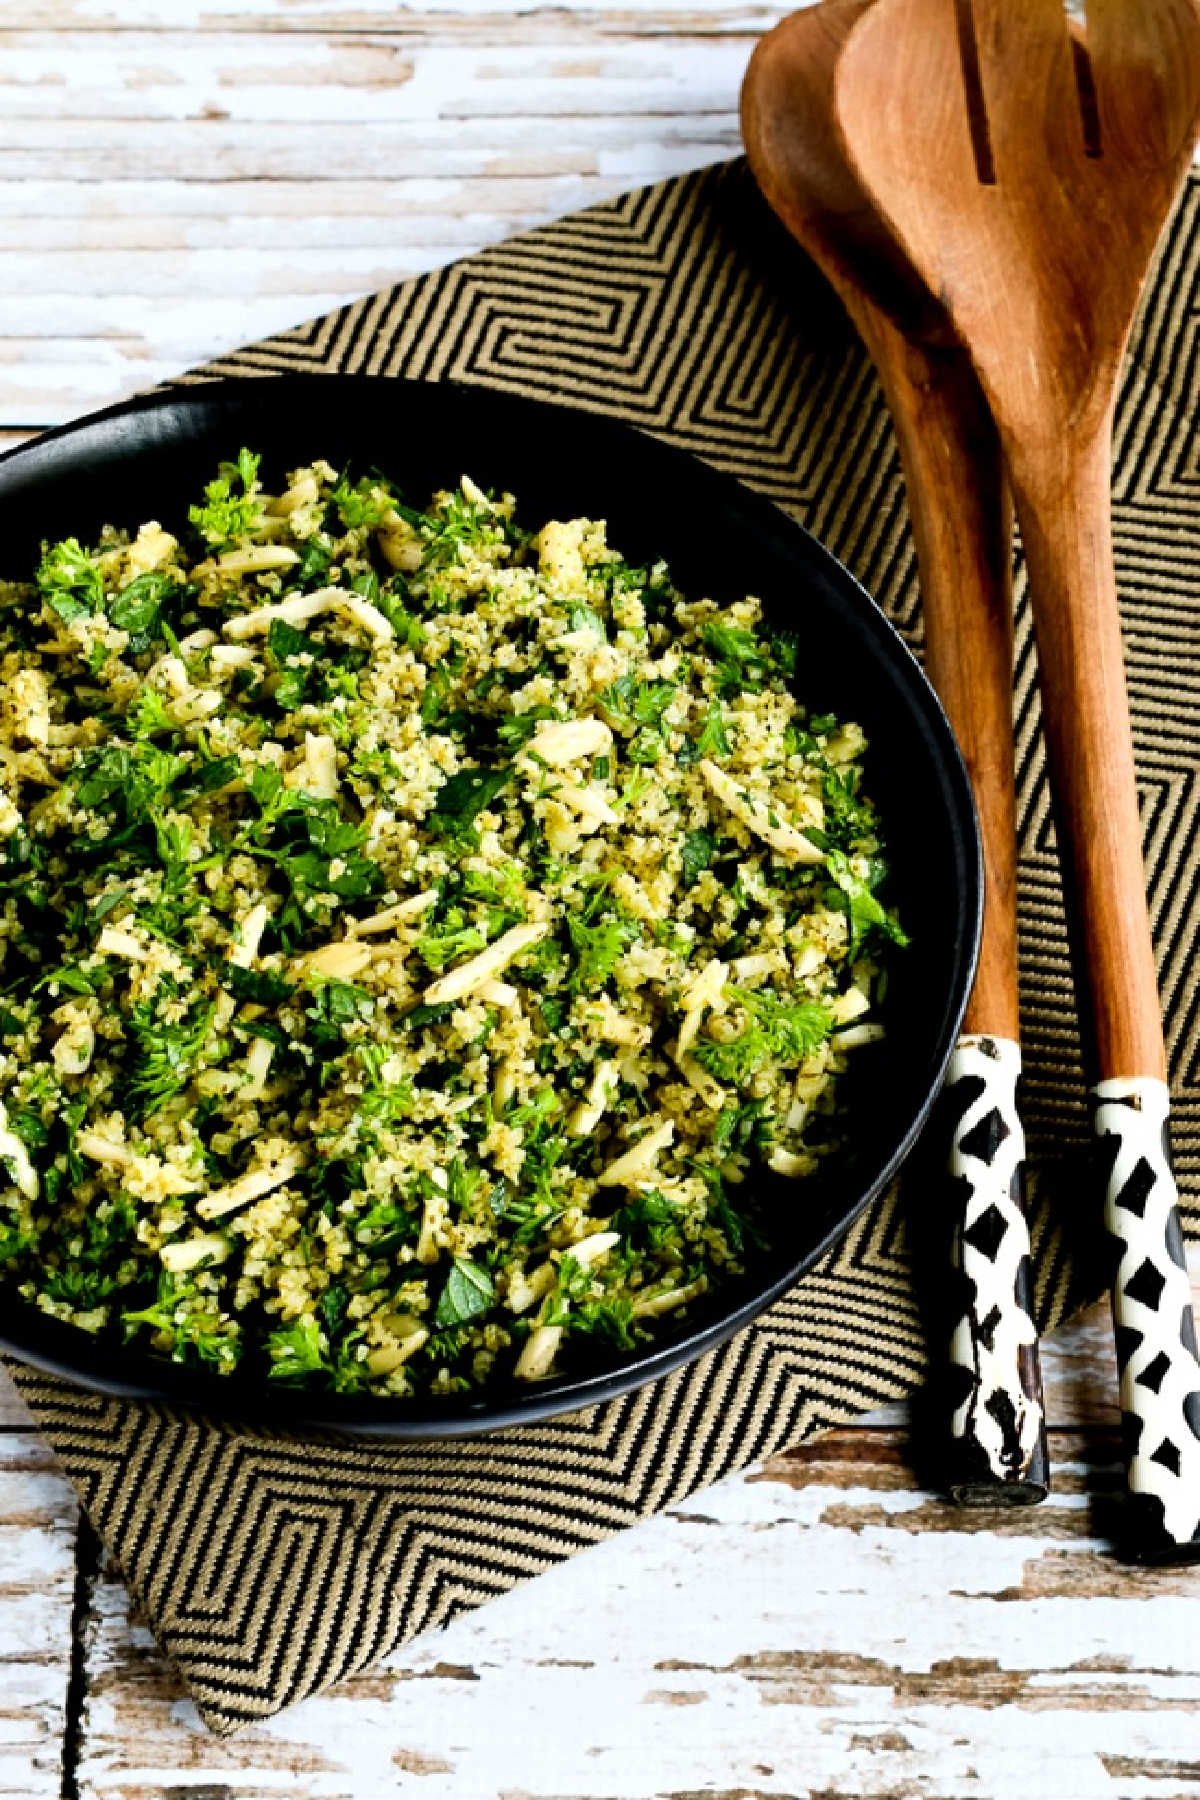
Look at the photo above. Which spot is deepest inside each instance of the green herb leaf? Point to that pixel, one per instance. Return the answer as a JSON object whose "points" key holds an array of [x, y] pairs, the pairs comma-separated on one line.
{"points": [[336, 1005], [137, 777], [866, 913], [584, 618], [138, 607], [163, 1056], [362, 504], [516, 730], [638, 702], [69, 580], [225, 517], [713, 740], [464, 796], [256, 987], [469, 1291], [699, 850], [384, 1227], [598, 948], [206, 777], [747, 660], [148, 716], [781, 1032], [298, 1350]]}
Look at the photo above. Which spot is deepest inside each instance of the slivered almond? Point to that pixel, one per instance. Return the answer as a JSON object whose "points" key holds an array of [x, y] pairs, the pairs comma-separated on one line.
{"points": [[340, 961], [115, 942], [541, 1347], [782, 836], [301, 493], [14, 1153], [602, 1091], [856, 1036], [392, 1356], [788, 1162], [591, 1249], [253, 560], [703, 992], [249, 935], [525, 1290], [701, 1081], [560, 741], [470, 976], [589, 803], [190, 1252], [251, 1186], [499, 993], [317, 772], [392, 915], [638, 1162], [656, 1304], [298, 608]]}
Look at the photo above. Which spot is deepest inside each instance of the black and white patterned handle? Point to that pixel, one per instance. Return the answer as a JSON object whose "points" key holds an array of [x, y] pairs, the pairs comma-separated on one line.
{"points": [[1155, 1328], [997, 1430]]}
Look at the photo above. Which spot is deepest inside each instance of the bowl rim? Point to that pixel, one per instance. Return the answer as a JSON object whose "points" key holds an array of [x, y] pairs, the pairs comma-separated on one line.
{"points": [[119, 1371]]}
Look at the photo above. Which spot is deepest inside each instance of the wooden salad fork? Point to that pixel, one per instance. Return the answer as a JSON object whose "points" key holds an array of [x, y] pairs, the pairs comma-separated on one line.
{"points": [[1029, 177], [962, 523]]}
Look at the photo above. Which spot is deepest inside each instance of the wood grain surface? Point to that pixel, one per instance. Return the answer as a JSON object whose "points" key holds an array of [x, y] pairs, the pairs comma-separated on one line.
{"points": [[179, 179], [818, 1627], [179, 176]]}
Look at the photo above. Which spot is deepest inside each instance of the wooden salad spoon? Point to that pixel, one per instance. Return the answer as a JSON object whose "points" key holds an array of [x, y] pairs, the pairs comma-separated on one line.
{"points": [[962, 523], [1029, 176]]}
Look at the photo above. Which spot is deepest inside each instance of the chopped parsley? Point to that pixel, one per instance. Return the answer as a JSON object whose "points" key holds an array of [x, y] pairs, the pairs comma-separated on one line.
{"points": [[230, 508], [784, 1032], [254, 936]]}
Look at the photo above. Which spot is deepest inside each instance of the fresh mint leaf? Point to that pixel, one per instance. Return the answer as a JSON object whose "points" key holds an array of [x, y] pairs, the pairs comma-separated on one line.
{"points": [[255, 987], [469, 1291], [138, 608], [464, 796], [699, 851], [865, 912]]}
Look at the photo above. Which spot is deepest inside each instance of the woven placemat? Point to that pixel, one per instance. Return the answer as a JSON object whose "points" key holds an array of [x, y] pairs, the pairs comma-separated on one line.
{"points": [[270, 1568]]}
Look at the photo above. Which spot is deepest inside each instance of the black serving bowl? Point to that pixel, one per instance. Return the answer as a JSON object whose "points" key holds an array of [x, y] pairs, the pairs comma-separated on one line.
{"points": [[147, 458]]}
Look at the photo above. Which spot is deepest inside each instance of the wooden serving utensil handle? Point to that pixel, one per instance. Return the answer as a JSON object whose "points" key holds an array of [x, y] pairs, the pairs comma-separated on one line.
{"points": [[962, 523], [1063, 501]]}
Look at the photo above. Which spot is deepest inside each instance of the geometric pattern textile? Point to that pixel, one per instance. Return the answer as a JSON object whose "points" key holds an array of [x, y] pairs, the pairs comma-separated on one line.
{"points": [[270, 1567]]}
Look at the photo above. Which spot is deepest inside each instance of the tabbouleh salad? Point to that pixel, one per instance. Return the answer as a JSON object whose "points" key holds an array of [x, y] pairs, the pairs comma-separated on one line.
{"points": [[414, 927]]}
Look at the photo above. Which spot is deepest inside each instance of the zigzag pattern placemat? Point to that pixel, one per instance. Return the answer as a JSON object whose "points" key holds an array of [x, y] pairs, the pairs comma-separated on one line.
{"points": [[270, 1568]]}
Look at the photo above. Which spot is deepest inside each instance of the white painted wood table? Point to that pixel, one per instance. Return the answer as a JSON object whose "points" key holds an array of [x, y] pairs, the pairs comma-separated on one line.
{"points": [[176, 177]]}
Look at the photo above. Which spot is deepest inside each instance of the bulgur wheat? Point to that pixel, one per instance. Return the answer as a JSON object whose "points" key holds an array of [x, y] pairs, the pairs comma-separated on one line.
{"points": [[414, 928]]}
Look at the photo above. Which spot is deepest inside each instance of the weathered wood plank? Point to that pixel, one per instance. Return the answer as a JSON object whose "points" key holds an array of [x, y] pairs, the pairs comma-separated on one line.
{"points": [[37, 1576], [800, 1631], [170, 215], [174, 186], [625, 146], [318, 82], [14, 1414], [292, 17]]}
